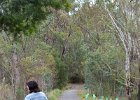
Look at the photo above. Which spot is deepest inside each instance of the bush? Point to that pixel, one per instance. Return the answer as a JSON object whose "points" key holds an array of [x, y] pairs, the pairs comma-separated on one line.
{"points": [[54, 95]]}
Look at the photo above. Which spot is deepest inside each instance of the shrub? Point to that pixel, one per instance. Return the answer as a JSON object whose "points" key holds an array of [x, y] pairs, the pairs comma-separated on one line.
{"points": [[54, 95]]}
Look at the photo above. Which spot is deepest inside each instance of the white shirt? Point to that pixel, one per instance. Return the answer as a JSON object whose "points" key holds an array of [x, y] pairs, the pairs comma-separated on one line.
{"points": [[36, 96]]}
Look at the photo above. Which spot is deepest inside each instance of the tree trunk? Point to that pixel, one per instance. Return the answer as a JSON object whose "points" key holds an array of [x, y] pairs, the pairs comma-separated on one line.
{"points": [[127, 73], [138, 62], [16, 74]]}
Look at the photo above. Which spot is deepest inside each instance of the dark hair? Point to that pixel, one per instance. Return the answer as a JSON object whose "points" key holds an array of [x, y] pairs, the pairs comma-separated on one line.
{"points": [[33, 86]]}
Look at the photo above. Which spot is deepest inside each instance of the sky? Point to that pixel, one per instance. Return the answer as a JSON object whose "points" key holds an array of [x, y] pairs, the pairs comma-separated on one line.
{"points": [[81, 2]]}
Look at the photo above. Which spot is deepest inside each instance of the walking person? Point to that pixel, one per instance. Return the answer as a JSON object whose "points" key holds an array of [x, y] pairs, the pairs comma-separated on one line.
{"points": [[34, 92]]}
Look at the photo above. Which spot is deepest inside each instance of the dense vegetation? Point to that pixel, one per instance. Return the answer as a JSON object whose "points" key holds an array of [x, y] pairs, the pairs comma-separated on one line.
{"points": [[61, 41]]}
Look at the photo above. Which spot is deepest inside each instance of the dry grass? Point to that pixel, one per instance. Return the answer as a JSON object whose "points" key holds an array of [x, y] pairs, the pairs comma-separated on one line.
{"points": [[6, 92]]}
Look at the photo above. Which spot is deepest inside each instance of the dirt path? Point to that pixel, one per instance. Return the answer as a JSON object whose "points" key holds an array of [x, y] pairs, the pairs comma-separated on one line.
{"points": [[71, 94]]}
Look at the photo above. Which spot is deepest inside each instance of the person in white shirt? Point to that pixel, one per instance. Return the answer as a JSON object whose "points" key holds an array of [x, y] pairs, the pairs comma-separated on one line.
{"points": [[34, 92]]}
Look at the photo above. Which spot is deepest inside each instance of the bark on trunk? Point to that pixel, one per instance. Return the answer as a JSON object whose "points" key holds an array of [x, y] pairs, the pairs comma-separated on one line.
{"points": [[138, 95], [127, 71], [16, 74]]}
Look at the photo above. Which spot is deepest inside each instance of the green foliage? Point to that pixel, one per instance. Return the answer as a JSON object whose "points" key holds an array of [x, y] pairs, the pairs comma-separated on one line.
{"points": [[41, 60], [101, 69], [21, 17], [20, 92], [48, 78], [54, 95], [75, 59], [61, 71], [83, 45]]}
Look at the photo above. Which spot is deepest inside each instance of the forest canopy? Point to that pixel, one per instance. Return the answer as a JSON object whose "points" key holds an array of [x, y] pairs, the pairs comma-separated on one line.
{"points": [[94, 43]]}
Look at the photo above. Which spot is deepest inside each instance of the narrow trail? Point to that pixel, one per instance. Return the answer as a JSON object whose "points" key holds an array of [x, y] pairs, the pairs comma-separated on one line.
{"points": [[71, 94]]}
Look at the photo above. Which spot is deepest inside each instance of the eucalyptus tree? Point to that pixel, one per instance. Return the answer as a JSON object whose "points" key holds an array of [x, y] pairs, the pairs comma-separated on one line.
{"points": [[124, 17]]}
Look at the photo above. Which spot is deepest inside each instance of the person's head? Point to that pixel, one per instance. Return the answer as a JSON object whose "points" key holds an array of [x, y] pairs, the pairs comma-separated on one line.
{"points": [[33, 86]]}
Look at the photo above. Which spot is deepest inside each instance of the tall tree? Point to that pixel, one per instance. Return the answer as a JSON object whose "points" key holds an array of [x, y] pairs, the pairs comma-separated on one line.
{"points": [[21, 17], [128, 34]]}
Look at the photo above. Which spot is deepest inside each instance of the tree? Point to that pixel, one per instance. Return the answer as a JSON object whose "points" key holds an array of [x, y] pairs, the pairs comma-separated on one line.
{"points": [[21, 17], [127, 33]]}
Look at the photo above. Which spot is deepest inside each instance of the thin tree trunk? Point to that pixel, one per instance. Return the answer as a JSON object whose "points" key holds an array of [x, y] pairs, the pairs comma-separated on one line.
{"points": [[137, 51], [15, 69], [127, 73], [138, 98]]}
